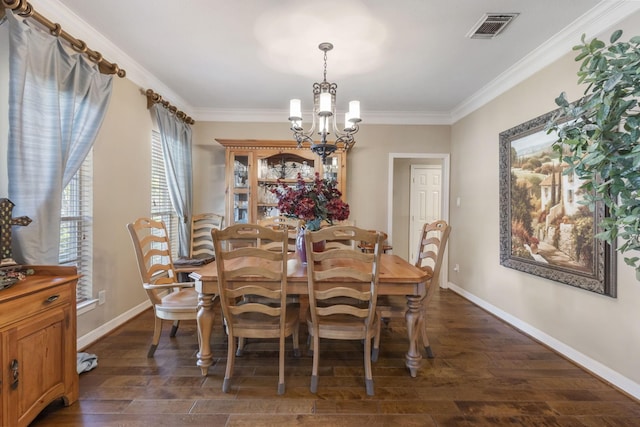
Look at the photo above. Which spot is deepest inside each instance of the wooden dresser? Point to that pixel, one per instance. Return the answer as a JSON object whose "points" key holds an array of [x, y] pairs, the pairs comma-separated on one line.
{"points": [[38, 344]]}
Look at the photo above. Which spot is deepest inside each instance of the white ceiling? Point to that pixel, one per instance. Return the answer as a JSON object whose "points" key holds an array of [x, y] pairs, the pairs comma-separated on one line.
{"points": [[407, 61]]}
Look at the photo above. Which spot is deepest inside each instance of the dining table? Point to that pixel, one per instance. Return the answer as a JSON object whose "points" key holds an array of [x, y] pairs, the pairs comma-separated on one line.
{"points": [[397, 277]]}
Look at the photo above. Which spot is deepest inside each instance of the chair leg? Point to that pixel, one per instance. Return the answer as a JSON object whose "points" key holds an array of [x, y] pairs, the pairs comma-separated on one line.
{"points": [[157, 330], [295, 336], [281, 365], [314, 370], [310, 344], [425, 338], [240, 350], [367, 368], [231, 355], [376, 343], [174, 328]]}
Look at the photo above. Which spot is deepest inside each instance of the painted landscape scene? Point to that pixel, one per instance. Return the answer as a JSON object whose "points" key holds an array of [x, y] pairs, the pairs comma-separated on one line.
{"points": [[548, 223]]}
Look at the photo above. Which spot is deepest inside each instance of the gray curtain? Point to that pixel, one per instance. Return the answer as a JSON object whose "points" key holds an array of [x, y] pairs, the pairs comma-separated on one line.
{"points": [[175, 135], [57, 101]]}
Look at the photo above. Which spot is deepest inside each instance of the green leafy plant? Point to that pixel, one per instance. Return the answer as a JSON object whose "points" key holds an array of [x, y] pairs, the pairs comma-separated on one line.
{"points": [[598, 136]]}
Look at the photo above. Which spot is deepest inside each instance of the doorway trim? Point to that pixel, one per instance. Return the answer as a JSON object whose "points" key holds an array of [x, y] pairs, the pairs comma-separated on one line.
{"points": [[445, 158]]}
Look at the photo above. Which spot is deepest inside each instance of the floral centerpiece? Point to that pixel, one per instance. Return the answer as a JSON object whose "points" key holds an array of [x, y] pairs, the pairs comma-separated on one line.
{"points": [[312, 202]]}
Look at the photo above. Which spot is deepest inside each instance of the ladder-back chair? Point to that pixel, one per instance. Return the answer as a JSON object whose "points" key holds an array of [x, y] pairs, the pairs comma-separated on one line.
{"points": [[252, 271], [343, 287]]}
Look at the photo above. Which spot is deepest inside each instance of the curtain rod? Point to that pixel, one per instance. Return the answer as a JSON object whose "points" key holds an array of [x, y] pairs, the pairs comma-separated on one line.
{"points": [[154, 98], [24, 9]]}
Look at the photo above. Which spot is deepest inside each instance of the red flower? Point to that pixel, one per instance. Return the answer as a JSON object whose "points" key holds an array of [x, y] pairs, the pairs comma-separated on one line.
{"points": [[312, 202]]}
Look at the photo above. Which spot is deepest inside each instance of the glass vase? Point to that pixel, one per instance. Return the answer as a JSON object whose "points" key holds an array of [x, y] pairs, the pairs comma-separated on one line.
{"points": [[301, 249]]}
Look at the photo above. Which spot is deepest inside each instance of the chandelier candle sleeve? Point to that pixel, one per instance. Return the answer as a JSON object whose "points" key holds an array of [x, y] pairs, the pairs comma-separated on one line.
{"points": [[354, 111], [325, 104], [295, 110]]}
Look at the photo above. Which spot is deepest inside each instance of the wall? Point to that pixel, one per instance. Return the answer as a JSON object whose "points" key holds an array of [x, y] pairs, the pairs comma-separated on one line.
{"points": [[597, 331], [122, 193], [367, 170], [4, 108]]}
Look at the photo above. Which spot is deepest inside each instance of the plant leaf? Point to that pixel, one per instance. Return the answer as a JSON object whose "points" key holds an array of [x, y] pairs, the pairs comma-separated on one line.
{"points": [[615, 36]]}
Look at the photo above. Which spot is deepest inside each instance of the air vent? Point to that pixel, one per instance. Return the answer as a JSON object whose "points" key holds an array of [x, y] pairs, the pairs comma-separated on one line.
{"points": [[490, 25]]}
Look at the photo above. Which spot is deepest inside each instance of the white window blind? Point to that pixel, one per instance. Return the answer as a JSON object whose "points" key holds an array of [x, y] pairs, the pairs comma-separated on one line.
{"points": [[161, 207], [76, 227]]}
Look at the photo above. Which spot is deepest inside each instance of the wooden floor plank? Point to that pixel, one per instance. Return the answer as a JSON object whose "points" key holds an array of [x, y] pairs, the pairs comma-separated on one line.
{"points": [[485, 373]]}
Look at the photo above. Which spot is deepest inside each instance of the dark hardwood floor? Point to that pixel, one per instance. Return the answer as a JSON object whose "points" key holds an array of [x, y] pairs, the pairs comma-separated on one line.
{"points": [[485, 373]]}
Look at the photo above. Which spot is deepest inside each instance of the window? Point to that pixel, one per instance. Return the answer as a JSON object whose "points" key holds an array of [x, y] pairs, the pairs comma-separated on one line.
{"points": [[161, 207], [76, 227]]}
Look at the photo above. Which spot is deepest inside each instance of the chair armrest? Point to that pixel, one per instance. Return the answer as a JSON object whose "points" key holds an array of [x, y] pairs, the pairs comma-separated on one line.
{"points": [[169, 285]]}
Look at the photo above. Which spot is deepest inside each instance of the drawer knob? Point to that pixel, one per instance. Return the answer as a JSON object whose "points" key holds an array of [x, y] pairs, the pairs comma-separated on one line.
{"points": [[51, 299]]}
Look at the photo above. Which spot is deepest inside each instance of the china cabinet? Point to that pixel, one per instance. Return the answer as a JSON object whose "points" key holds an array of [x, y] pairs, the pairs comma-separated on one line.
{"points": [[253, 168], [38, 336]]}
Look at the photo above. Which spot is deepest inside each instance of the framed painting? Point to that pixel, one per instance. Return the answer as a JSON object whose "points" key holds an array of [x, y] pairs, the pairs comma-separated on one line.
{"points": [[545, 230]]}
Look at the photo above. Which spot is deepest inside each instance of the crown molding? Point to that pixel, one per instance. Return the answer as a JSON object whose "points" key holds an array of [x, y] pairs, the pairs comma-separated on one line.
{"points": [[77, 27], [595, 21], [280, 116]]}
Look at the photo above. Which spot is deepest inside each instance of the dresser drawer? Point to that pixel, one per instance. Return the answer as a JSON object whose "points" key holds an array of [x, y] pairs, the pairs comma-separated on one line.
{"points": [[29, 305]]}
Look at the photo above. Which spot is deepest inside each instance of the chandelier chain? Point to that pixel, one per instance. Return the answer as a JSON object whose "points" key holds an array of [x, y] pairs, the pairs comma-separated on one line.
{"points": [[325, 65]]}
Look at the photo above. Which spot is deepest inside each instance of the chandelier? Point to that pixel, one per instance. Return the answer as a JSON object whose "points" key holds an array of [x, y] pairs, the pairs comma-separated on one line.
{"points": [[324, 117]]}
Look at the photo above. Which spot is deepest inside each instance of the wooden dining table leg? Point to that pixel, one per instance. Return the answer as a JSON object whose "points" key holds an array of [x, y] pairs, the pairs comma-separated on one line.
{"points": [[205, 319], [413, 356]]}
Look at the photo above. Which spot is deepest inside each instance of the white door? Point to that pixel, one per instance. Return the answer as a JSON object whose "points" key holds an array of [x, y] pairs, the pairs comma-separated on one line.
{"points": [[424, 202]]}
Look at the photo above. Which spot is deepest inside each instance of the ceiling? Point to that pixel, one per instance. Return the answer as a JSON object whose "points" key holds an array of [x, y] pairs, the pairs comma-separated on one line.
{"points": [[406, 61]]}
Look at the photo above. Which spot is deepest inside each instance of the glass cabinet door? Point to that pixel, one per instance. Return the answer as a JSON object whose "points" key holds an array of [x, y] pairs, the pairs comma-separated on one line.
{"points": [[239, 187], [283, 167], [331, 169]]}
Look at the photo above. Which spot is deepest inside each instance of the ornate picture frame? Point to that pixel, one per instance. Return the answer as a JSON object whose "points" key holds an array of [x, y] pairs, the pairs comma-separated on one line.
{"points": [[544, 229]]}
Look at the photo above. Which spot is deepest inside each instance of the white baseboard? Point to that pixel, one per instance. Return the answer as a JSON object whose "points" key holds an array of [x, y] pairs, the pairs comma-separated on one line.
{"points": [[103, 330], [616, 379]]}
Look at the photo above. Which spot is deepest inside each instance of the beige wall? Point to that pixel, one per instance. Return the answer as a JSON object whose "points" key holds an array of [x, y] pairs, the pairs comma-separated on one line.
{"points": [[122, 193], [4, 108], [604, 329]]}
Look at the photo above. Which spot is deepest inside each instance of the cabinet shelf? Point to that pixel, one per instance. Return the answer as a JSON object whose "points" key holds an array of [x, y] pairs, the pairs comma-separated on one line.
{"points": [[256, 164], [275, 181]]}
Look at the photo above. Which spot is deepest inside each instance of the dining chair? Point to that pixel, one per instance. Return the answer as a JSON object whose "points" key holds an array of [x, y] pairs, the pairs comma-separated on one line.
{"points": [[386, 247], [292, 225], [433, 241], [172, 300], [267, 279], [340, 241], [201, 226], [343, 288]]}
